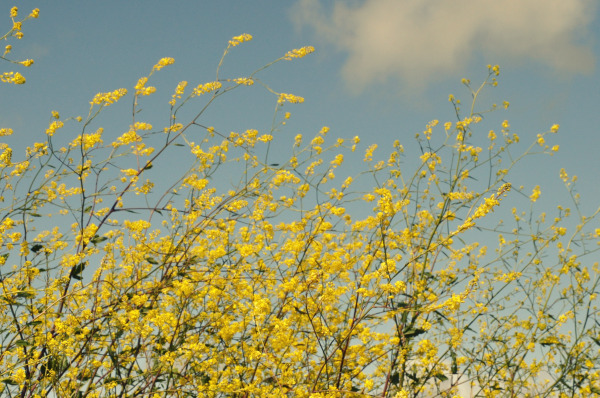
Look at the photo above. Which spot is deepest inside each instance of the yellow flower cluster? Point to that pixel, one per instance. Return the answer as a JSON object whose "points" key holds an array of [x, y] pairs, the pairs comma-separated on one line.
{"points": [[206, 88], [108, 98], [127, 138], [162, 63], [55, 125], [299, 52], [244, 81], [178, 92], [236, 40], [486, 207], [88, 140], [141, 89], [6, 157], [12, 77], [283, 97]]}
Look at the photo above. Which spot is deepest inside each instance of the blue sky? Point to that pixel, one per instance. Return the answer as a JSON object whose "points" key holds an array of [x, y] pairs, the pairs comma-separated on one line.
{"points": [[382, 68]]}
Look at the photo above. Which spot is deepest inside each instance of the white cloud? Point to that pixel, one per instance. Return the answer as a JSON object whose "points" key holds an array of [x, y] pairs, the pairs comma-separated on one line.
{"points": [[420, 41]]}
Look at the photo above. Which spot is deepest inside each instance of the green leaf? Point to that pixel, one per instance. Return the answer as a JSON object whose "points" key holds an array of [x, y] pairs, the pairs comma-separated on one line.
{"points": [[412, 376], [77, 270], [151, 260], [36, 248], [98, 239], [22, 343], [412, 332]]}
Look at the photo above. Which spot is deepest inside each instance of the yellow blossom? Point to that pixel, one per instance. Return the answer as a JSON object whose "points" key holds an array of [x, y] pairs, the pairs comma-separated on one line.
{"points": [[108, 98], [535, 194], [178, 92], [240, 39], [206, 88], [283, 97], [163, 62], [53, 127], [299, 52]]}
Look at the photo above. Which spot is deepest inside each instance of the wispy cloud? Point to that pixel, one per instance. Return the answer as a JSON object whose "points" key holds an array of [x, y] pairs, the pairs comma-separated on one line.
{"points": [[420, 41]]}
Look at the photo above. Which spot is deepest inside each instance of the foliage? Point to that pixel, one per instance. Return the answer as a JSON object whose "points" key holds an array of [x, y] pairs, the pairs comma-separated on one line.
{"points": [[288, 282]]}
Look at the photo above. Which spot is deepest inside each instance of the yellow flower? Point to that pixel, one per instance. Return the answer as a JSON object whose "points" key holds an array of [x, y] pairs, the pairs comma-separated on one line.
{"points": [[540, 140], [127, 138], [299, 52], [142, 126], [18, 79], [178, 92], [140, 88], [13, 12], [283, 97], [53, 127], [35, 13], [12, 77], [244, 80], [164, 62], [535, 194], [108, 98], [207, 88], [5, 158], [369, 153], [240, 39]]}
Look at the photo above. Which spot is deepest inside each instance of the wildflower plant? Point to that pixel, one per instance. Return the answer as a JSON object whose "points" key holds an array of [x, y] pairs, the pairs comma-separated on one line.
{"points": [[16, 32], [272, 286]]}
